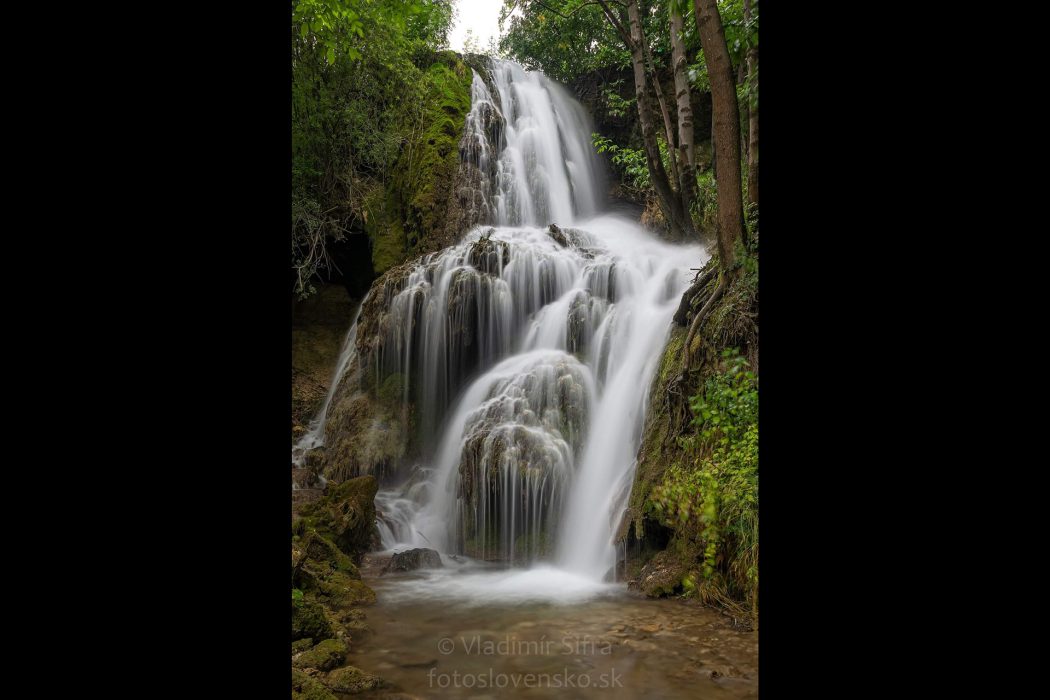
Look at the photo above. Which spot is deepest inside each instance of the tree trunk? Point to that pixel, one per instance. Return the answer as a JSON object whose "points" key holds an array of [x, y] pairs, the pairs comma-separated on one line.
{"points": [[664, 113], [670, 205], [726, 127], [752, 119], [741, 79], [686, 144]]}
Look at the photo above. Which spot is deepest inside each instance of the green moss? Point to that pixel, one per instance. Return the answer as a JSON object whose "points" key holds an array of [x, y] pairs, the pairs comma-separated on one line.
{"points": [[341, 591], [306, 688], [526, 544], [309, 620], [391, 393], [352, 680], [427, 167], [346, 516], [357, 629], [671, 362], [302, 645], [407, 217], [325, 656], [388, 244], [658, 450], [323, 550]]}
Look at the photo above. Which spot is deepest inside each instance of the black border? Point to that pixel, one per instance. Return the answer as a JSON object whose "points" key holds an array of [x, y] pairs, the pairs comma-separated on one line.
{"points": [[214, 379]]}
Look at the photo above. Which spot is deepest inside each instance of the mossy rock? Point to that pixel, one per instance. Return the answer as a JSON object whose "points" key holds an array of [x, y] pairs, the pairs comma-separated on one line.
{"points": [[325, 656], [341, 591], [322, 550], [309, 620], [302, 645], [352, 680], [306, 688], [319, 566], [346, 516], [357, 629], [365, 435], [663, 575]]}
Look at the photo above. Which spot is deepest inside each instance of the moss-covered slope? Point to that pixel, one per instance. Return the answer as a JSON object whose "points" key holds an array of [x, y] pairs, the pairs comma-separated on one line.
{"points": [[408, 217]]}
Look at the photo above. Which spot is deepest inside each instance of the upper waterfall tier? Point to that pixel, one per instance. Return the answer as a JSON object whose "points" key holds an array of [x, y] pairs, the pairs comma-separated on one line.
{"points": [[531, 143]]}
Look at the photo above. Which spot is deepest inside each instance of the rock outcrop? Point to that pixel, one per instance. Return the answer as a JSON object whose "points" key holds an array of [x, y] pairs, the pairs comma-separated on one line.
{"points": [[413, 559], [330, 536]]}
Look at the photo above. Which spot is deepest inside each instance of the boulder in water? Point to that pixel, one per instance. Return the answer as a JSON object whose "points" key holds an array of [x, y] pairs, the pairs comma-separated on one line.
{"points": [[352, 680], [305, 687], [324, 657], [557, 235], [412, 559]]}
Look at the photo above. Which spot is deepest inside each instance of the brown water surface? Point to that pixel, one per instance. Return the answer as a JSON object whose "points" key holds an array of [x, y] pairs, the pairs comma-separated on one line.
{"points": [[465, 634]]}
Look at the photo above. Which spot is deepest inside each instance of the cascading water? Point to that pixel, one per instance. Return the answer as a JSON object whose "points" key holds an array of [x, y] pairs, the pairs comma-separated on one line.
{"points": [[527, 348], [314, 436], [532, 145]]}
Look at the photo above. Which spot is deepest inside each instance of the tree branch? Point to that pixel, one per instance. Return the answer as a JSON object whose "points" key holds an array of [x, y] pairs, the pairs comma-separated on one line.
{"points": [[616, 23], [575, 9]]}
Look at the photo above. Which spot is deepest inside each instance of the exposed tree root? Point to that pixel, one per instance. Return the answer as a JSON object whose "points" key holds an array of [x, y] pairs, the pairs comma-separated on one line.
{"points": [[699, 321], [691, 295]]}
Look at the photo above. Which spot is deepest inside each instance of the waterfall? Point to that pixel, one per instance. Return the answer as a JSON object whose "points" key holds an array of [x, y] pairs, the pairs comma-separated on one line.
{"points": [[314, 436], [531, 144], [527, 348]]}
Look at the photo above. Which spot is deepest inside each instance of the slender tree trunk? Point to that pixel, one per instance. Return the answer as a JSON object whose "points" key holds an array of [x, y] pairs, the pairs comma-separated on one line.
{"points": [[670, 205], [726, 128], [686, 144], [664, 113], [741, 79], [752, 119]]}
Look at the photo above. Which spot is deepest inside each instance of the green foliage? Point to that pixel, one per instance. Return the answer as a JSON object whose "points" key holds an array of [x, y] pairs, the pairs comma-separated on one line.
{"points": [[297, 597], [705, 205], [751, 219], [712, 500], [616, 105], [629, 163], [359, 86], [563, 38], [332, 25], [337, 29]]}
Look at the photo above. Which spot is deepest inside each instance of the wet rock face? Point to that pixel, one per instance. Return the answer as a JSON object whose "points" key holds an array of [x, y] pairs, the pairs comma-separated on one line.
{"points": [[305, 478], [488, 255], [519, 453], [364, 436], [557, 235], [346, 516], [318, 327], [413, 559], [660, 577]]}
